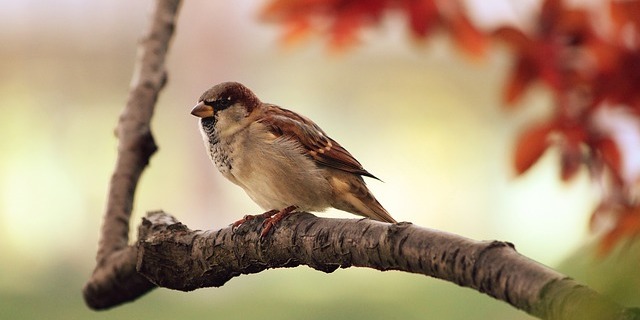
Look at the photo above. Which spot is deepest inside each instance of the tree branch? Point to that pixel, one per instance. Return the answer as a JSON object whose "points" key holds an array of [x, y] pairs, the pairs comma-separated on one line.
{"points": [[172, 256], [114, 279]]}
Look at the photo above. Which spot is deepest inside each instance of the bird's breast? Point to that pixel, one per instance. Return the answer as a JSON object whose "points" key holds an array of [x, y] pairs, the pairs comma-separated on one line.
{"points": [[220, 150], [276, 174], [274, 171], [222, 155]]}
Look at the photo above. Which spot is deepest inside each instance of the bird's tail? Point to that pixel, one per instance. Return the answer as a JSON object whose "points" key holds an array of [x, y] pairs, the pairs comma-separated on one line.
{"points": [[357, 199], [376, 210]]}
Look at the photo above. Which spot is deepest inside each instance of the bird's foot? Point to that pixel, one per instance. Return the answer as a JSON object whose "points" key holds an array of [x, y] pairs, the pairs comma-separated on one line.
{"points": [[274, 218], [237, 224]]}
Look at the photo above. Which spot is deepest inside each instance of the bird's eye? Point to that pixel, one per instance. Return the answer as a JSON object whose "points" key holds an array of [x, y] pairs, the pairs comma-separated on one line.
{"points": [[220, 103], [223, 103]]}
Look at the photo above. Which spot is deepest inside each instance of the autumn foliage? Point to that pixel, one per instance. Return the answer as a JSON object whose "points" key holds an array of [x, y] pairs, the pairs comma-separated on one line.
{"points": [[588, 57]]}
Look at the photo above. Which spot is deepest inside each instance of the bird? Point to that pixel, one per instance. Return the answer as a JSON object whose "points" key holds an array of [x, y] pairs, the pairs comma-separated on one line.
{"points": [[283, 160]]}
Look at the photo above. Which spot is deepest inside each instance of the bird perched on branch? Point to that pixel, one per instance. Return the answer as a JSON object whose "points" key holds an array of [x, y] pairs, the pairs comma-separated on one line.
{"points": [[281, 159]]}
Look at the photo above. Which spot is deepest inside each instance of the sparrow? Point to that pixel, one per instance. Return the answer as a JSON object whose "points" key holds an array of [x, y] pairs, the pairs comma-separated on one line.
{"points": [[281, 159]]}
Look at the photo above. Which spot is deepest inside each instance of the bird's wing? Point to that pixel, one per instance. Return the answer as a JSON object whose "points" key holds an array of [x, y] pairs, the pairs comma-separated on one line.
{"points": [[317, 145]]}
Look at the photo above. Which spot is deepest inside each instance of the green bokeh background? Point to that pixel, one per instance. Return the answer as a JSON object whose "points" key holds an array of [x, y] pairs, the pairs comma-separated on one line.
{"points": [[422, 117]]}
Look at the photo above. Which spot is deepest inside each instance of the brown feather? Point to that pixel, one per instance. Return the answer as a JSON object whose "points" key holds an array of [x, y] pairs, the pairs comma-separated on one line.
{"points": [[315, 142]]}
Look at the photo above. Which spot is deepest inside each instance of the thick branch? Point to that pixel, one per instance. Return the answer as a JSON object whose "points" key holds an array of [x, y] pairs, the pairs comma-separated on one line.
{"points": [[173, 256], [136, 145]]}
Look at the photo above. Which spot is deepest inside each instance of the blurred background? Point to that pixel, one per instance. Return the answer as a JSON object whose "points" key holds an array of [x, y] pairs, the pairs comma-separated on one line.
{"points": [[422, 117]]}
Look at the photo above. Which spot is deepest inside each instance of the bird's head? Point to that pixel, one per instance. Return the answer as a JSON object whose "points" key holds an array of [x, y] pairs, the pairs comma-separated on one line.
{"points": [[226, 104]]}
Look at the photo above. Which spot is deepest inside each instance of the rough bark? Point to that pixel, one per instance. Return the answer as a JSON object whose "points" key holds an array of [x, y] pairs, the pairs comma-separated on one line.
{"points": [[175, 257], [114, 279], [170, 255]]}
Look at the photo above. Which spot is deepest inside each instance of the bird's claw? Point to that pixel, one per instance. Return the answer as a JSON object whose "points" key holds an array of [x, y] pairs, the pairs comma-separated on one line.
{"points": [[274, 218], [249, 217]]}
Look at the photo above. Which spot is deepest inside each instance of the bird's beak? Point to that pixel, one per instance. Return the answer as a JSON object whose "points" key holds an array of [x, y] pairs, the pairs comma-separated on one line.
{"points": [[202, 110]]}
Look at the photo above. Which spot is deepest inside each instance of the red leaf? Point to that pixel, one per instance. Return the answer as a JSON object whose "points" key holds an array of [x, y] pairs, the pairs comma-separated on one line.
{"points": [[574, 134], [531, 145], [513, 37], [345, 28], [341, 19], [622, 84], [624, 12], [521, 77], [571, 154], [295, 31], [608, 150], [526, 68], [467, 36], [550, 15], [627, 224], [423, 15]]}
